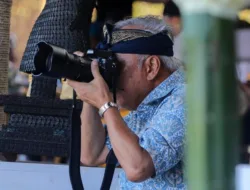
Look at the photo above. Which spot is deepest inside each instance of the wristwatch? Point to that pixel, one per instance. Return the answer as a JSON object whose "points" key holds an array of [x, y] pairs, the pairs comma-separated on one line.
{"points": [[106, 106]]}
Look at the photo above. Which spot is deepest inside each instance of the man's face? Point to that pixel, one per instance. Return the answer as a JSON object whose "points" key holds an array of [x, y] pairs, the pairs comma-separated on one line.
{"points": [[132, 82], [135, 80]]}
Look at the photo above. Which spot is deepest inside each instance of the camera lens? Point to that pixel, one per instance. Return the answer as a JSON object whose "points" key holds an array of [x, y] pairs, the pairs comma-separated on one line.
{"points": [[48, 63]]}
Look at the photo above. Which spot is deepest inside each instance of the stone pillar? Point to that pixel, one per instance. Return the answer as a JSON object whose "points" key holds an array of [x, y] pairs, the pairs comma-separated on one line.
{"points": [[213, 127]]}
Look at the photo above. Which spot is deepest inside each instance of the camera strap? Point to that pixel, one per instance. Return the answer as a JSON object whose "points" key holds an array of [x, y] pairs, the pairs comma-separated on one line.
{"points": [[75, 149], [75, 154], [111, 162]]}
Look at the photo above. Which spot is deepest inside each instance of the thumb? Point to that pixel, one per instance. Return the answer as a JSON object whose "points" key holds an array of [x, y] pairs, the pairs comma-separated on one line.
{"points": [[73, 84], [95, 69]]}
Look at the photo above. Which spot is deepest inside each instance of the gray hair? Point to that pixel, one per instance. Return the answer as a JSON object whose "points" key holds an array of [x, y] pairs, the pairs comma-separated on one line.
{"points": [[154, 25]]}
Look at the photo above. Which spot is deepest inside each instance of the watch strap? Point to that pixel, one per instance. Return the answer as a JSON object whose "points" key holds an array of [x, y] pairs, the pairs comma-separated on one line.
{"points": [[105, 107]]}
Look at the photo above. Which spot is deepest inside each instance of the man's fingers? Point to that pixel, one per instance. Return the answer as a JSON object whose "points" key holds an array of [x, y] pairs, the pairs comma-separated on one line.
{"points": [[79, 53], [95, 69], [74, 84]]}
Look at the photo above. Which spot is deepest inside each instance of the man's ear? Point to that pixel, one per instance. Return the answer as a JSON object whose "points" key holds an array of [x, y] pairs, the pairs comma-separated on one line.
{"points": [[152, 67]]}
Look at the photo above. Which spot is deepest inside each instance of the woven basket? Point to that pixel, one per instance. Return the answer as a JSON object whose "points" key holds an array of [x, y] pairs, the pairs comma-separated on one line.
{"points": [[53, 26]]}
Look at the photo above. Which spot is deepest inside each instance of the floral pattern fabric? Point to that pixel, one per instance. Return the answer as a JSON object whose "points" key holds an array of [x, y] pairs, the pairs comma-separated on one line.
{"points": [[160, 122]]}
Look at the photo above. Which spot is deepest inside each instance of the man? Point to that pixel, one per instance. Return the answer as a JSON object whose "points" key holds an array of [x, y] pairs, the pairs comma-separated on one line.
{"points": [[172, 16], [149, 142]]}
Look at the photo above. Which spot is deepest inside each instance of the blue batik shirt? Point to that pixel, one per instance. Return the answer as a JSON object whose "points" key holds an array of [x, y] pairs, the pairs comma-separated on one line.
{"points": [[160, 122]]}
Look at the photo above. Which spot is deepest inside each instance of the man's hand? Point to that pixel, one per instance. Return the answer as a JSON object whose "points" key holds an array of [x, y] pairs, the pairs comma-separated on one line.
{"points": [[93, 149], [95, 92]]}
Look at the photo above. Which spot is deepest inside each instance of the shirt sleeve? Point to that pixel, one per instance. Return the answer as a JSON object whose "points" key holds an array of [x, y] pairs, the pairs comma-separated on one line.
{"points": [[164, 141]]}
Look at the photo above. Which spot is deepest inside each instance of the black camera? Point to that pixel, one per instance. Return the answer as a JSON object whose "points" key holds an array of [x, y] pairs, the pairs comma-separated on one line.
{"points": [[53, 61]]}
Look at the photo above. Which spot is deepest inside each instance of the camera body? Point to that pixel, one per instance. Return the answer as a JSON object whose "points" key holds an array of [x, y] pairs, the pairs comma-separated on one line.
{"points": [[53, 61]]}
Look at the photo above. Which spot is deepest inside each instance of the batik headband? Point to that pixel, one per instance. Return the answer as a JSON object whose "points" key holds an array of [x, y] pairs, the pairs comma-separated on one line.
{"points": [[134, 41]]}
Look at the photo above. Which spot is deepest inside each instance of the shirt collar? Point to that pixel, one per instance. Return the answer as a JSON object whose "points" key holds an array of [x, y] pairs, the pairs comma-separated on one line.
{"points": [[164, 88]]}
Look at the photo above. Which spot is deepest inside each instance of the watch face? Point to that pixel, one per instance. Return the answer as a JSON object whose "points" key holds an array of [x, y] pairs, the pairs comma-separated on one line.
{"points": [[113, 104]]}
